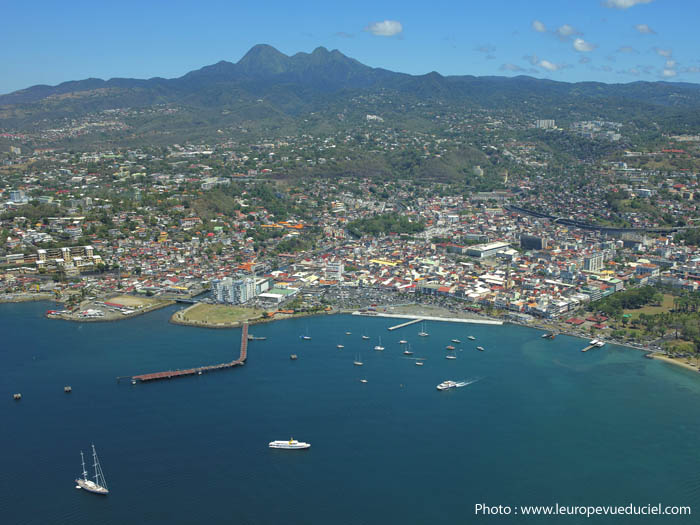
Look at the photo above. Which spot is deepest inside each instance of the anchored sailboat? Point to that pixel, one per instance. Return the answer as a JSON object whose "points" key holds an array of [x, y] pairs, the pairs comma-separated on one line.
{"points": [[422, 332], [99, 486]]}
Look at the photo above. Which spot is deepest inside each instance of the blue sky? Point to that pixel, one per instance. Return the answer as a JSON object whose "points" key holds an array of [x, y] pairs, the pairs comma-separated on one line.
{"points": [[47, 42]]}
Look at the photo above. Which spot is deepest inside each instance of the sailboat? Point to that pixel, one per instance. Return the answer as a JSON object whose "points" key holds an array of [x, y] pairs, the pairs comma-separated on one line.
{"points": [[357, 361], [379, 346], [408, 351], [99, 486], [422, 332], [365, 336]]}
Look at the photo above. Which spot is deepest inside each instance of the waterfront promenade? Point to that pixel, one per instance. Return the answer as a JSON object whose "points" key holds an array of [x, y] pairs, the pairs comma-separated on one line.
{"points": [[431, 318]]}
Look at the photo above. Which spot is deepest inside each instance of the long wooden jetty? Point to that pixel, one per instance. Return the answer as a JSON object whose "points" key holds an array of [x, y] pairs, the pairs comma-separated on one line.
{"points": [[169, 374], [587, 348], [414, 321]]}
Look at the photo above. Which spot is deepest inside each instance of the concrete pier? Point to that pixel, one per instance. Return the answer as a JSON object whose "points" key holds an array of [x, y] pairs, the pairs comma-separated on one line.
{"points": [[418, 318], [407, 323]]}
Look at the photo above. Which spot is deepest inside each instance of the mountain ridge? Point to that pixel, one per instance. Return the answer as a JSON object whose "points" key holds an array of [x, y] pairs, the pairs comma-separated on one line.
{"points": [[268, 84]]}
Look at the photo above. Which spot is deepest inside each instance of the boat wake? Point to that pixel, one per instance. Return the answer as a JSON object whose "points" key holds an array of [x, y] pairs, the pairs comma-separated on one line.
{"points": [[467, 382]]}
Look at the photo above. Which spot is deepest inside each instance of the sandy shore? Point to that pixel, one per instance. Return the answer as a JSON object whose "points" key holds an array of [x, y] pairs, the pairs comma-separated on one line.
{"points": [[678, 361]]}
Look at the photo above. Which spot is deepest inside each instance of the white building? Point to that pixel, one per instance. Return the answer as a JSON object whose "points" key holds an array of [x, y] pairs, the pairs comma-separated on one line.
{"points": [[233, 291]]}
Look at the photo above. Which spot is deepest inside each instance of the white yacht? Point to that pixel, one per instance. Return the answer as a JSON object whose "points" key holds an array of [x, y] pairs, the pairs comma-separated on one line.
{"points": [[292, 444], [357, 361], [445, 385], [419, 363], [471, 337], [99, 486], [403, 342], [450, 356], [340, 346], [379, 346], [365, 337], [348, 333]]}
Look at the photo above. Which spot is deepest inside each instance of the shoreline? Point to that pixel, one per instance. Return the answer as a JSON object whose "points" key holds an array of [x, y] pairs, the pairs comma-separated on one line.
{"points": [[675, 361], [28, 298], [177, 319], [430, 318], [112, 319]]}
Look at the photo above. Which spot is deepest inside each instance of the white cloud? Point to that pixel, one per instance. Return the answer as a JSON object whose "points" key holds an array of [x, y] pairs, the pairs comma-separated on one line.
{"points": [[663, 52], [488, 48], [645, 29], [627, 49], [533, 59], [630, 71], [385, 28], [670, 64], [539, 26], [624, 4], [581, 45], [511, 67], [549, 66], [668, 73], [565, 31]]}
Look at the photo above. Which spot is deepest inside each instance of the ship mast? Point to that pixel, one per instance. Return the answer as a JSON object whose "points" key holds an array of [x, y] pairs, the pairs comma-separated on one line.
{"points": [[99, 476], [82, 460]]}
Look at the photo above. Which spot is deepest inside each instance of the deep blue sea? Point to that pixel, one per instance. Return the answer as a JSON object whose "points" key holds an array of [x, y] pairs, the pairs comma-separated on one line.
{"points": [[542, 423]]}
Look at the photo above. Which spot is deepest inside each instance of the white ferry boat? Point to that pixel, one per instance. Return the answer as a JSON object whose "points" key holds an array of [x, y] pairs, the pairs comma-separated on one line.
{"points": [[292, 444], [445, 385]]}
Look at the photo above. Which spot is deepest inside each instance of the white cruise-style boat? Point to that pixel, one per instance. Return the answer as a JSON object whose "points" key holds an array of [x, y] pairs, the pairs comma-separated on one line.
{"points": [[292, 444], [446, 385], [99, 486]]}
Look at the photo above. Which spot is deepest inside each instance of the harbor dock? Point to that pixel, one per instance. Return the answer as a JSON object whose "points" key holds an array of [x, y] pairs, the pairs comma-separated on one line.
{"points": [[407, 323], [587, 348], [169, 374]]}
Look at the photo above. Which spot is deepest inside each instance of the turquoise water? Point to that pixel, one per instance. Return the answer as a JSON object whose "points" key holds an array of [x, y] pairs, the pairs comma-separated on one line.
{"points": [[543, 423]]}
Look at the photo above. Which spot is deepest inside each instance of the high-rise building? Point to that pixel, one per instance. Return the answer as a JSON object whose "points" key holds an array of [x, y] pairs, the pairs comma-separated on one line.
{"points": [[233, 291], [593, 262], [533, 242]]}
